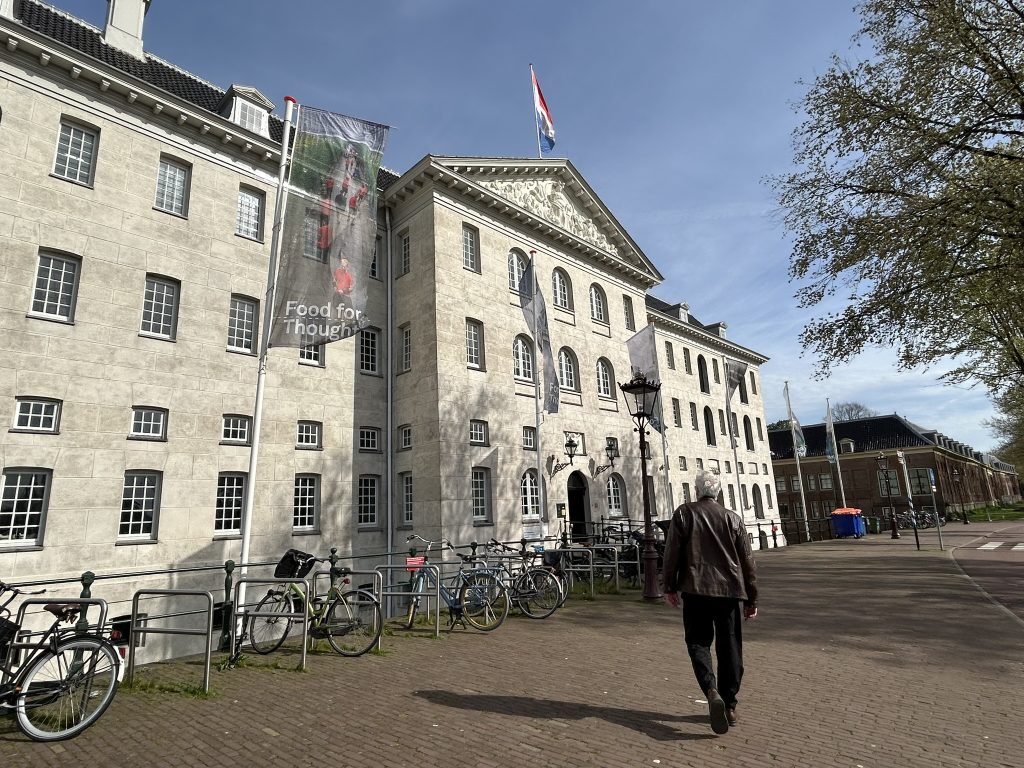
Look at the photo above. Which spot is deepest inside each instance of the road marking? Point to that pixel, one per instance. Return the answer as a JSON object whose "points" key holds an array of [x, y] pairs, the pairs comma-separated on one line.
{"points": [[991, 545], [1017, 547]]}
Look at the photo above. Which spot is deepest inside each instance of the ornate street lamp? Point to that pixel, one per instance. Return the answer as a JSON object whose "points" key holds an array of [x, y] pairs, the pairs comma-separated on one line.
{"points": [[611, 451], [570, 451], [883, 465], [641, 396]]}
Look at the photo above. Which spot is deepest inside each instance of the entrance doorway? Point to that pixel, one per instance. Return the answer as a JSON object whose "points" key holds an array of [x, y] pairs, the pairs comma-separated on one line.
{"points": [[578, 505]]}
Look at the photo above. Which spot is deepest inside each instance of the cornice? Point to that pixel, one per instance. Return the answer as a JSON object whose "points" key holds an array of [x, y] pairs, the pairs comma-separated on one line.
{"points": [[705, 337]]}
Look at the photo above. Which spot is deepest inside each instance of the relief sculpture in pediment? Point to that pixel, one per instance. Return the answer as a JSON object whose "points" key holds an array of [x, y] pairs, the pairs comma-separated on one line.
{"points": [[546, 198]]}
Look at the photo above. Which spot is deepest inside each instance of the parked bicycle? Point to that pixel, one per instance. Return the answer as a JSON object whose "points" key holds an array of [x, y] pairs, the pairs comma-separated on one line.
{"points": [[68, 679], [534, 589], [350, 621], [474, 596]]}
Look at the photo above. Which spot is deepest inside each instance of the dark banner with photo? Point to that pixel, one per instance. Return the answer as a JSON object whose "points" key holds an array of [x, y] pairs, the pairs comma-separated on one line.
{"points": [[329, 230]]}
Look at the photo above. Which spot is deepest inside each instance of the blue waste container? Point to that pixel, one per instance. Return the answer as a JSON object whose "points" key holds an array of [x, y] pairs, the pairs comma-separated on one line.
{"points": [[848, 525]]}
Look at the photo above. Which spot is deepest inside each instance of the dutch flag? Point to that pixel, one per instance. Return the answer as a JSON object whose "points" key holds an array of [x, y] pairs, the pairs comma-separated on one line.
{"points": [[545, 125]]}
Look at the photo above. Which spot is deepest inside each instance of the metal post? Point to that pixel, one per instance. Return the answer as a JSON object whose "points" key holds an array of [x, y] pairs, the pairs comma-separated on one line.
{"points": [[651, 591], [775, 535], [82, 625], [228, 612]]}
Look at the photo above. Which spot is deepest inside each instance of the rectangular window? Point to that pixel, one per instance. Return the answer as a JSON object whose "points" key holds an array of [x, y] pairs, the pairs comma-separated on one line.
{"points": [[677, 413], [37, 415], [794, 483], [686, 360], [760, 432], [714, 368], [311, 236], [732, 497], [735, 425], [405, 485], [474, 344], [825, 482], [699, 463], [682, 463], [894, 483], [627, 311], [172, 187], [693, 416], [249, 222], [530, 438], [374, 268], [470, 248], [249, 116], [242, 324], [739, 467], [812, 482], [308, 435], [764, 468], [404, 254], [721, 421], [780, 484], [369, 439], [405, 364], [478, 432], [481, 493], [815, 509], [160, 308], [752, 467], [366, 500], [686, 493], [713, 465], [56, 287], [368, 351], [670, 355], [236, 429], [728, 468], [312, 354], [920, 483], [148, 424], [753, 385], [230, 503], [768, 495], [140, 505], [26, 495], [404, 437], [76, 154], [306, 504]]}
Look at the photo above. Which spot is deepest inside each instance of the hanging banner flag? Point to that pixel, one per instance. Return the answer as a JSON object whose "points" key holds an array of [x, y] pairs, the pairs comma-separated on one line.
{"points": [[643, 360], [545, 125], [830, 436], [536, 313], [734, 373], [799, 444], [329, 231]]}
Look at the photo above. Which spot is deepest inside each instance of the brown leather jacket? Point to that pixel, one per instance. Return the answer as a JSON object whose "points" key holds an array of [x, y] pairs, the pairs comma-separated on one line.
{"points": [[708, 553]]}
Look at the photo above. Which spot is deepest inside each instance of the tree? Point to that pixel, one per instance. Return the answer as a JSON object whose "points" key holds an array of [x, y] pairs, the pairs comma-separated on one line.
{"points": [[851, 411], [780, 424], [1007, 426], [906, 204]]}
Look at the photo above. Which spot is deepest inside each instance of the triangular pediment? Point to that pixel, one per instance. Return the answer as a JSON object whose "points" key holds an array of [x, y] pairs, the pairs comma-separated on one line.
{"points": [[549, 196]]}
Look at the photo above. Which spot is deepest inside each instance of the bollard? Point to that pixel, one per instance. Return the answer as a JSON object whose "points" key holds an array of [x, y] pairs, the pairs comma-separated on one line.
{"points": [[82, 625], [472, 548], [333, 560], [227, 615], [775, 535]]}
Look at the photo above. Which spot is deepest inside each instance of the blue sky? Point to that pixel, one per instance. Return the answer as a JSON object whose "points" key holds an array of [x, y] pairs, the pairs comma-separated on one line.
{"points": [[675, 111]]}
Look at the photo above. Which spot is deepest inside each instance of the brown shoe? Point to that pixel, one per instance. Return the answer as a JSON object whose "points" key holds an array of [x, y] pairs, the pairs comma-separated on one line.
{"points": [[730, 715], [716, 710]]}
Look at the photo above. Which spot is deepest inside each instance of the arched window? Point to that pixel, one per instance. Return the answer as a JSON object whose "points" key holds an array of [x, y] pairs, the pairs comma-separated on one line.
{"points": [[616, 491], [529, 494], [748, 433], [605, 377], [561, 289], [516, 268], [522, 358], [567, 370], [743, 391], [702, 374], [758, 505], [598, 304], [709, 425], [743, 497]]}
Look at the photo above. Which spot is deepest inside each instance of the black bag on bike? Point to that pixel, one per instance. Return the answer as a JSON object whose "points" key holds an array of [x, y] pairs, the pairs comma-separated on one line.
{"points": [[294, 565], [8, 631]]}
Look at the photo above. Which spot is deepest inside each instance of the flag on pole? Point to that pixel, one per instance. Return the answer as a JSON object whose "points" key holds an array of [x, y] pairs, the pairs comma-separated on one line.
{"points": [[329, 230], [643, 360], [734, 373], [799, 444], [545, 125], [536, 314], [830, 436]]}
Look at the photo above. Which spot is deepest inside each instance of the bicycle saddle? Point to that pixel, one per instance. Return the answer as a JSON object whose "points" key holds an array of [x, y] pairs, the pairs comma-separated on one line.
{"points": [[63, 611]]}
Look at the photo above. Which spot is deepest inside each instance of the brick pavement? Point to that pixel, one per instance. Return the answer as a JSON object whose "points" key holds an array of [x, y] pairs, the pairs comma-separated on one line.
{"points": [[867, 654]]}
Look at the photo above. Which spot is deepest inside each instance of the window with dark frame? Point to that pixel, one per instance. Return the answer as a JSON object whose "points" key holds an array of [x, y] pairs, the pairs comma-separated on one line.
{"points": [[56, 288]]}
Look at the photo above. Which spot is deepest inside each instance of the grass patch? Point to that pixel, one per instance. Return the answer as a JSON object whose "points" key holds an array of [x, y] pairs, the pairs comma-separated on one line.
{"points": [[144, 684]]}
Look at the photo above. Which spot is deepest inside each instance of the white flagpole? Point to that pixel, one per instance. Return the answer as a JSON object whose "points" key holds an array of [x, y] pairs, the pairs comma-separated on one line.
{"points": [[799, 474], [734, 439], [835, 451], [537, 372], [536, 119], [268, 316]]}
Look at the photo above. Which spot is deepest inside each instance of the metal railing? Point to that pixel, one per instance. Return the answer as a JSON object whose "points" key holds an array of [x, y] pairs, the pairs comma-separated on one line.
{"points": [[138, 627]]}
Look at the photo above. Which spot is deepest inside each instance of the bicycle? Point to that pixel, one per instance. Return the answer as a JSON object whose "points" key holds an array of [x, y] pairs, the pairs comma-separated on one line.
{"points": [[475, 597], [68, 681], [534, 589], [350, 621]]}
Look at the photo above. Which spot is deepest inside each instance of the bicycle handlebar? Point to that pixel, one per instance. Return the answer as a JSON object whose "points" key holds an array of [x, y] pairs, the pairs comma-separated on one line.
{"points": [[8, 588]]}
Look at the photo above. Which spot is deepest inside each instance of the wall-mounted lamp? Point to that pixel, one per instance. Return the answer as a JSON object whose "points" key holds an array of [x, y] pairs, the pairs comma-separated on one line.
{"points": [[611, 450], [570, 451]]}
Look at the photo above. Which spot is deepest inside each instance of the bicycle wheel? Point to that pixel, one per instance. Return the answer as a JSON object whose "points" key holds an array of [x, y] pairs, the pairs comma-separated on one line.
{"points": [[414, 601], [483, 600], [539, 593], [65, 691], [266, 633], [353, 623]]}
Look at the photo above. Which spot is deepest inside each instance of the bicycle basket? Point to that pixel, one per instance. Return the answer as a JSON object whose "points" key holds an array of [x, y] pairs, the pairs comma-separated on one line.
{"points": [[294, 565]]}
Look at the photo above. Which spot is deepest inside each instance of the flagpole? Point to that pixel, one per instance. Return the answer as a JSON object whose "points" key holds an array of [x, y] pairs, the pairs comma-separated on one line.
{"points": [[835, 451], [541, 488], [536, 119], [734, 439], [799, 474], [268, 316]]}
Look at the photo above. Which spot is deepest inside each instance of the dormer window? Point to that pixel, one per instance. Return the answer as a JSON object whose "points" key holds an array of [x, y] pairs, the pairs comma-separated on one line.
{"points": [[250, 117], [846, 445], [248, 108]]}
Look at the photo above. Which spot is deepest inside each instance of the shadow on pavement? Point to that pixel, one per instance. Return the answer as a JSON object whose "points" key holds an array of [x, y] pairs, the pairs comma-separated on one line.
{"points": [[651, 724]]}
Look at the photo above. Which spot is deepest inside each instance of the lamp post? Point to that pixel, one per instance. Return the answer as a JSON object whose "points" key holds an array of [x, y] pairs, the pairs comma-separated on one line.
{"points": [[960, 496], [570, 451], [641, 396], [883, 465]]}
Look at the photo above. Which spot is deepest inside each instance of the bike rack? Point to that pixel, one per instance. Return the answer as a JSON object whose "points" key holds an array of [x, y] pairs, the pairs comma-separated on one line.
{"points": [[377, 592], [244, 613], [615, 558], [20, 641], [570, 566], [136, 626], [433, 593]]}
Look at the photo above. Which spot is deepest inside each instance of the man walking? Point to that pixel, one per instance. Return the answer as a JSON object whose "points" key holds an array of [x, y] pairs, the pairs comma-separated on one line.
{"points": [[708, 560]]}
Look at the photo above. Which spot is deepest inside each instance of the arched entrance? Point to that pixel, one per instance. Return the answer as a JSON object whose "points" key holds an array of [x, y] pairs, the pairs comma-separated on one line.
{"points": [[579, 503]]}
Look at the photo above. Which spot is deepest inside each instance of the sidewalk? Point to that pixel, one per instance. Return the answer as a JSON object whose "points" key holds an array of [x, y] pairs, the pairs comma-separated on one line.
{"points": [[867, 654]]}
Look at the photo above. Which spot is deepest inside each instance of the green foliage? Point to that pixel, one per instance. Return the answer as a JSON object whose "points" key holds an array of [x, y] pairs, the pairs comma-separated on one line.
{"points": [[147, 684], [906, 205], [780, 424], [1008, 426]]}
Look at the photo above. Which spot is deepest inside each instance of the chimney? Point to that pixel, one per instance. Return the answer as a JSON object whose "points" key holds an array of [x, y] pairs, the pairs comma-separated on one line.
{"points": [[124, 25]]}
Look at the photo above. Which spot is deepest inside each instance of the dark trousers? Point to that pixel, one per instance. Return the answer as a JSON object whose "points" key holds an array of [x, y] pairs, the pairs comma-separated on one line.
{"points": [[717, 619]]}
